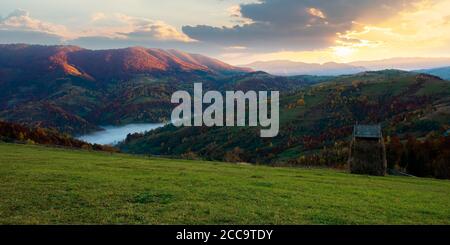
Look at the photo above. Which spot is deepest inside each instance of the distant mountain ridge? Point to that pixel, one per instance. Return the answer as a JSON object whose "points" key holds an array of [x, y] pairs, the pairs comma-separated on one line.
{"points": [[442, 72], [404, 63], [289, 68]]}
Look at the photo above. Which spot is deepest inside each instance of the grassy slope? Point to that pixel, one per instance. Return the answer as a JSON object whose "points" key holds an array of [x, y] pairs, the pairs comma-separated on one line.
{"points": [[48, 185]]}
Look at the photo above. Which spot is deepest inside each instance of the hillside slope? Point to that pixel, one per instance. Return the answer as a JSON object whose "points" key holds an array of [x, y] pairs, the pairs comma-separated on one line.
{"points": [[11, 132], [41, 185], [319, 116], [442, 72]]}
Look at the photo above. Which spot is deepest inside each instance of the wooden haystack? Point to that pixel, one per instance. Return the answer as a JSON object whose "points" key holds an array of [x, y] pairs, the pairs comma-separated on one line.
{"points": [[367, 151]]}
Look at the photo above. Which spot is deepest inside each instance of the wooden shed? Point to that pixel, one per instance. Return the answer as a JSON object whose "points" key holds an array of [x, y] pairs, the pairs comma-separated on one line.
{"points": [[367, 151]]}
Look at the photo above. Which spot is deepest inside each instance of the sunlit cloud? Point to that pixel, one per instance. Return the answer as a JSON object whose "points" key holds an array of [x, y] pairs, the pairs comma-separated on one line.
{"points": [[123, 26], [421, 30], [317, 13], [98, 16], [147, 28], [20, 26], [236, 15], [20, 20], [236, 48]]}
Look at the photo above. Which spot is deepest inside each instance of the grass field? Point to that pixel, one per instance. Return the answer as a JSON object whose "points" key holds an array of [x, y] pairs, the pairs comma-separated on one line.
{"points": [[42, 185]]}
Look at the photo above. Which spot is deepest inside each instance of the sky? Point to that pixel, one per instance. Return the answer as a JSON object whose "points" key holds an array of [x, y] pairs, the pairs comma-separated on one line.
{"points": [[239, 31]]}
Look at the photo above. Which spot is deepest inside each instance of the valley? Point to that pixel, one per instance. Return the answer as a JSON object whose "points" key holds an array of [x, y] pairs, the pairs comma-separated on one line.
{"points": [[317, 117], [74, 91], [112, 135]]}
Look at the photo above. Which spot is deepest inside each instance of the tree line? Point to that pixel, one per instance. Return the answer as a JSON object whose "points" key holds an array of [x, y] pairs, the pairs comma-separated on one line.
{"points": [[17, 133], [423, 157]]}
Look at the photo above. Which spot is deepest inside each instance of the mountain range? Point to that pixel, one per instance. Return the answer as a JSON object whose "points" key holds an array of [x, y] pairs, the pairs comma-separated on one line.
{"points": [[289, 68], [37, 60], [403, 63], [74, 90]]}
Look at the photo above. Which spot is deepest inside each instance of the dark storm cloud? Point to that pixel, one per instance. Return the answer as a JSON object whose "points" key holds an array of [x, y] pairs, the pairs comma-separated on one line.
{"points": [[295, 24]]}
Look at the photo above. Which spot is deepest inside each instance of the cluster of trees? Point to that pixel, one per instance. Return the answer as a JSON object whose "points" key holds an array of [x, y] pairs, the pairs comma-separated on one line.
{"points": [[428, 157], [12, 132], [334, 156]]}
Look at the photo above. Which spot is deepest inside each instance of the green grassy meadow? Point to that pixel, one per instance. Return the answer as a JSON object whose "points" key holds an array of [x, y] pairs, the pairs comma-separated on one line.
{"points": [[43, 185]]}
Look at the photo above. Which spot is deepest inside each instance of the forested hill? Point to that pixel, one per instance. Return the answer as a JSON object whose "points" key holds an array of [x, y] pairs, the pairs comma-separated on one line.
{"points": [[16, 133], [73, 89], [317, 118]]}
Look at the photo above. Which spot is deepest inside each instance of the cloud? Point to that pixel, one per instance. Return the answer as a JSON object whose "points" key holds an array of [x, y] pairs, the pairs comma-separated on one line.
{"points": [[423, 31], [302, 30], [98, 16], [120, 30], [235, 12], [275, 25], [147, 29], [20, 21], [317, 13], [105, 30]]}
